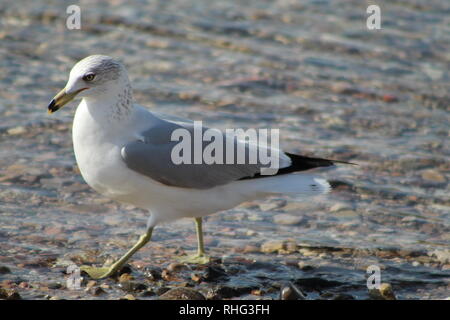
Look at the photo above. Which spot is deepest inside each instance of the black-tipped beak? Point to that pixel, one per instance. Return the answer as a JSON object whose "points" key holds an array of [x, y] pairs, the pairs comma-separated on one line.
{"points": [[61, 99], [52, 106]]}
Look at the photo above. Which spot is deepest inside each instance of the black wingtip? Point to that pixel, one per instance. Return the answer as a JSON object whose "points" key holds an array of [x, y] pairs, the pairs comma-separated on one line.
{"points": [[344, 162]]}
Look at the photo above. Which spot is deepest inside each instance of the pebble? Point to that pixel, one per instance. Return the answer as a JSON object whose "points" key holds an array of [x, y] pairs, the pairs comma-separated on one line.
{"points": [[160, 291], [90, 284], [132, 286], [250, 249], [96, 291], [9, 294], [125, 277], [153, 273], [304, 266], [433, 176], [214, 273], [182, 294], [16, 131], [268, 206], [287, 219], [343, 296], [128, 297], [3, 293], [272, 246], [385, 292], [257, 292], [4, 270], [307, 252], [54, 285], [443, 256], [196, 277], [174, 267], [340, 206], [222, 292], [291, 292]]}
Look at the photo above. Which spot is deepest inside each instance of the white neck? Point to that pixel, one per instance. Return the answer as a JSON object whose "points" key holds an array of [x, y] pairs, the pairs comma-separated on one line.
{"points": [[114, 105]]}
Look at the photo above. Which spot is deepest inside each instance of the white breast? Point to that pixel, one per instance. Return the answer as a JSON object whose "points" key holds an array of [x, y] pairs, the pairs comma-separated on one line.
{"points": [[97, 152]]}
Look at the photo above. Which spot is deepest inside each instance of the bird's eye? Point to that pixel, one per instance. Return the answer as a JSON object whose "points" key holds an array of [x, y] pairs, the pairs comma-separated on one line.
{"points": [[89, 77]]}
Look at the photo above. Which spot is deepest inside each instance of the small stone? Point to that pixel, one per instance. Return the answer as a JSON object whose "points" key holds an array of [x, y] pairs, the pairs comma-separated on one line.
{"points": [[128, 297], [125, 277], [165, 275], [385, 292], [181, 293], [214, 273], [4, 270], [433, 176], [290, 246], [16, 131], [307, 252], [347, 213], [131, 286], [287, 219], [272, 246], [174, 267], [54, 285], [251, 233], [105, 286], [147, 293], [257, 292], [222, 292], [195, 277], [411, 220], [97, 291], [3, 293], [153, 273], [443, 256], [276, 204], [340, 206], [13, 295], [291, 292], [55, 298], [343, 296], [161, 291], [250, 249], [90, 284], [304, 266]]}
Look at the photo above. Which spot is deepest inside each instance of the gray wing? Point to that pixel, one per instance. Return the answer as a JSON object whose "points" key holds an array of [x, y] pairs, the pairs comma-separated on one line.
{"points": [[152, 157]]}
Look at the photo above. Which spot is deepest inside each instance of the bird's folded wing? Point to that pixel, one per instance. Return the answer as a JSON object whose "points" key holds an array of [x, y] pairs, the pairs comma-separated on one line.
{"points": [[152, 156]]}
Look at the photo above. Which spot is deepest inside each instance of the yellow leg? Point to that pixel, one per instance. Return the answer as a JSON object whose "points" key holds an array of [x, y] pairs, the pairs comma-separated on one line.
{"points": [[103, 272], [200, 257]]}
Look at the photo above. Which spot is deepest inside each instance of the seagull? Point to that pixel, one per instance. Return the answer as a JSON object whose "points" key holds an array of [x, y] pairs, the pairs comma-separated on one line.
{"points": [[124, 152]]}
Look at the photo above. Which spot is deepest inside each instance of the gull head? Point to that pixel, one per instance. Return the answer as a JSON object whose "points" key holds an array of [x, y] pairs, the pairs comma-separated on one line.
{"points": [[93, 77]]}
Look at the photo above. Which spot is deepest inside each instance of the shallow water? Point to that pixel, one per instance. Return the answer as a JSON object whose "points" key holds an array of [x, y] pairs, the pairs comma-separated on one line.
{"points": [[334, 89]]}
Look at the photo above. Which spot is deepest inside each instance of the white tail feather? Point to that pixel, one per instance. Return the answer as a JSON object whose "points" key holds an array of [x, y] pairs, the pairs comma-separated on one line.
{"points": [[304, 185]]}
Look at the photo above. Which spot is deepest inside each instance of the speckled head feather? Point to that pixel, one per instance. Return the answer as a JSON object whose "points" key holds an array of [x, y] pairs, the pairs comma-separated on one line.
{"points": [[103, 67], [108, 82]]}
